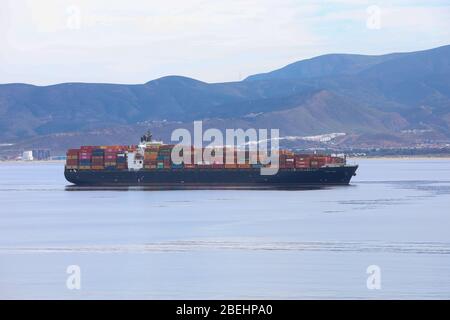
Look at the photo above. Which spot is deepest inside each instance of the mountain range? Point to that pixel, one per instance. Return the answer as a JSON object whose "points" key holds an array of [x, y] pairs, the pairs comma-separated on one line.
{"points": [[397, 99]]}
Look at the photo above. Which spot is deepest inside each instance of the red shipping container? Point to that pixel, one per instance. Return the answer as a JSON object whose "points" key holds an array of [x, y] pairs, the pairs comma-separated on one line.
{"points": [[302, 164], [89, 148]]}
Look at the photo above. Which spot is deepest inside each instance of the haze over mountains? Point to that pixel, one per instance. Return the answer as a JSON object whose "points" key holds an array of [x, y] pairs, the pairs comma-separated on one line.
{"points": [[399, 99]]}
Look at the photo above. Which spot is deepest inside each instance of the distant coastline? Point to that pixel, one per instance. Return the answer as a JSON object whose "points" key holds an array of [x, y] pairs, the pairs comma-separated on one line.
{"points": [[387, 157], [33, 161], [403, 157]]}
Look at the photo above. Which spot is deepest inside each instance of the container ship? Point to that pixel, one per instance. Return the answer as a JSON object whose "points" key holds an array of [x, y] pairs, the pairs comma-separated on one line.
{"points": [[149, 164]]}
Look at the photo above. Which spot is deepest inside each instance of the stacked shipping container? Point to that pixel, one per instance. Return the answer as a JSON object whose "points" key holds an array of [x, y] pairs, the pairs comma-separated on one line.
{"points": [[159, 157], [85, 158], [98, 159], [151, 157], [72, 159]]}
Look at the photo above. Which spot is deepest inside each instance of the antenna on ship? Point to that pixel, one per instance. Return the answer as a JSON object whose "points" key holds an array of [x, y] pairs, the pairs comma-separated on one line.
{"points": [[147, 137]]}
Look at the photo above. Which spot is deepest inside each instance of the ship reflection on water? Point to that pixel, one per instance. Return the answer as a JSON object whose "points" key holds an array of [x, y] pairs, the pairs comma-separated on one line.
{"points": [[200, 187]]}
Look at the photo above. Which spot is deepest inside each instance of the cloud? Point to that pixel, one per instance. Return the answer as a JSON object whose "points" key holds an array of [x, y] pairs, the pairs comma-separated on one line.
{"points": [[133, 41]]}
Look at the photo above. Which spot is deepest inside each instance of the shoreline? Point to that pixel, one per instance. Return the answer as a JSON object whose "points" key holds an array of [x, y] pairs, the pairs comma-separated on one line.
{"points": [[32, 162], [408, 157]]}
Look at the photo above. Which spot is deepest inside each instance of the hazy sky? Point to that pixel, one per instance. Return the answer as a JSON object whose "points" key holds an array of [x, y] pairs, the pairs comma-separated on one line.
{"points": [[134, 41]]}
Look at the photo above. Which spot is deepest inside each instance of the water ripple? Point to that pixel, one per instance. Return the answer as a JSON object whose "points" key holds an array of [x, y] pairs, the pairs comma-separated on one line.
{"points": [[194, 245]]}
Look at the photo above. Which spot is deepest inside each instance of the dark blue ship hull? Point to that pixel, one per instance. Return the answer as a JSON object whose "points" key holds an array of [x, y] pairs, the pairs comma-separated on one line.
{"points": [[212, 177]]}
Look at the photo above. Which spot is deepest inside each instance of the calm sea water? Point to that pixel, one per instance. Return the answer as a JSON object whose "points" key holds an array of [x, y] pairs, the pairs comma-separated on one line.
{"points": [[219, 244]]}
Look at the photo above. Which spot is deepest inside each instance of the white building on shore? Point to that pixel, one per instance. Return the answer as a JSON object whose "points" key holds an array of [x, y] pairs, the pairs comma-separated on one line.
{"points": [[27, 155]]}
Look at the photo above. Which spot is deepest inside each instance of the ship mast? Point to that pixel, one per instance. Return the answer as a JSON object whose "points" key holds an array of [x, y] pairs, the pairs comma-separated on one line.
{"points": [[147, 139]]}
